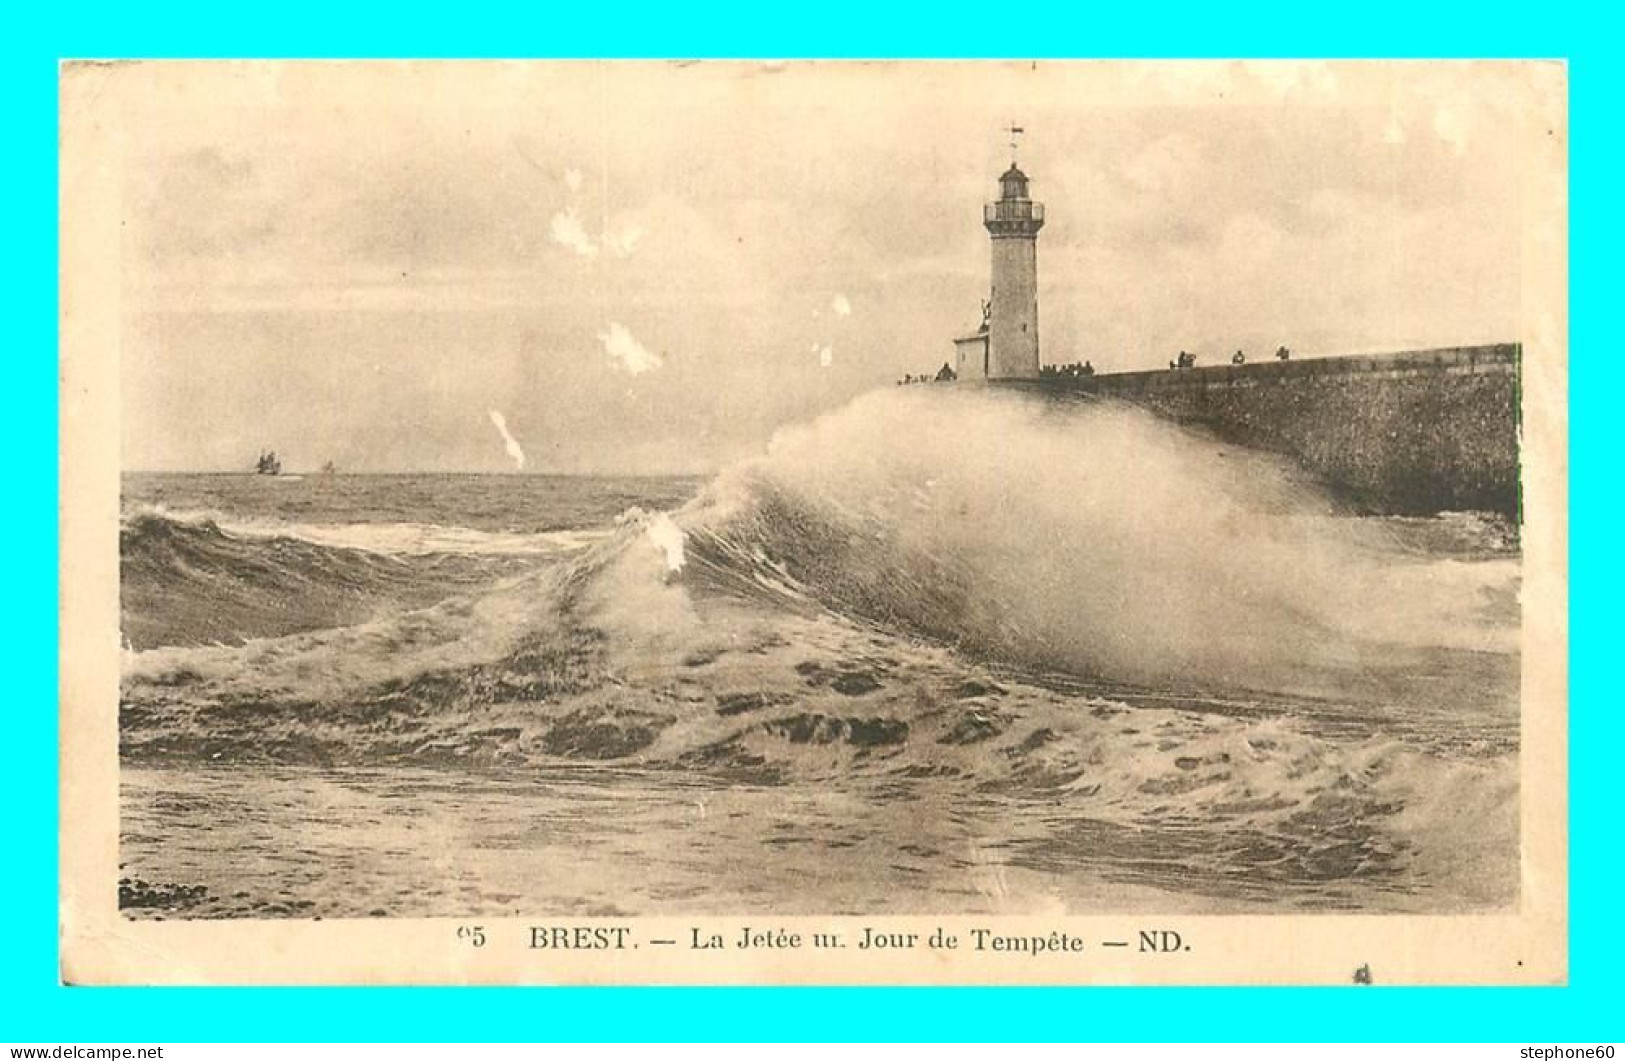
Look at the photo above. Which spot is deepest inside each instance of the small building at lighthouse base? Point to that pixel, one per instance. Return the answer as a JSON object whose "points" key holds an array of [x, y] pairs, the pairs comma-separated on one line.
{"points": [[970, 356]]}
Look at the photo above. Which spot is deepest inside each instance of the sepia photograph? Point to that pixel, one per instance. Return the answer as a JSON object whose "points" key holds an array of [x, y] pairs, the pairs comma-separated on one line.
{"points": [[879, 495]]}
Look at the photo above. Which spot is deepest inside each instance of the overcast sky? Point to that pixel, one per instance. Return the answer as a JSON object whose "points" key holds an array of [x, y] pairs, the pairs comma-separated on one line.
{"points": [[648, 268]]}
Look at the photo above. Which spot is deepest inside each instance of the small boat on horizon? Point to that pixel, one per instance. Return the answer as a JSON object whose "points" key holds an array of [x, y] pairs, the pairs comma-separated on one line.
{"points": [[269, 463]]}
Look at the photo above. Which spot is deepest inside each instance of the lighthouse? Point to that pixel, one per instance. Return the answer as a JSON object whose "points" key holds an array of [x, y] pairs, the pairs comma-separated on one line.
{"points": [[1006, 346], [1013, 223]]}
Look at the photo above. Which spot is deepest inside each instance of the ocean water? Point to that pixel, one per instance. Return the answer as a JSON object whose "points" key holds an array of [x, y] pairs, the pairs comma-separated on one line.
{"points": [[937, 651]]}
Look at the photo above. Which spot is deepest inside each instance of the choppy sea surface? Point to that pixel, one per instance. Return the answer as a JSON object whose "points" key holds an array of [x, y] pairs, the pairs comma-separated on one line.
{"points": [[938, 651]]}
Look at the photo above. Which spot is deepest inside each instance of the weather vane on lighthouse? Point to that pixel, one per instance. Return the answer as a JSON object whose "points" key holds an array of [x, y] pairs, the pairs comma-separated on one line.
{"points": [[1015, 137]]}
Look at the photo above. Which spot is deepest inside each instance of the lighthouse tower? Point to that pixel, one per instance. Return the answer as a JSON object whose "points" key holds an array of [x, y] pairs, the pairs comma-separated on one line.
{"points": [[1013, 222]]}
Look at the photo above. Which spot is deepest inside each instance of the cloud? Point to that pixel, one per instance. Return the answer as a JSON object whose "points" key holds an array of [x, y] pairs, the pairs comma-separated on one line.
{"points": [[627, 352], [622, 241], [1284, 77], [566, 229], [1454, 125], [1164, 166], [841, 306], [509, 443]]}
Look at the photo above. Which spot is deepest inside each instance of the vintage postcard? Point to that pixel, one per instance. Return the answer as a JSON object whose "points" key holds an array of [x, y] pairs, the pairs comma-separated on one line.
{"points": [[814, 522]]}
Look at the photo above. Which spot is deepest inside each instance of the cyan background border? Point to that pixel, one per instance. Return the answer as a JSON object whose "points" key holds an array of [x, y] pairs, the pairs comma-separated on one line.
{"points": [[33, 1008]]}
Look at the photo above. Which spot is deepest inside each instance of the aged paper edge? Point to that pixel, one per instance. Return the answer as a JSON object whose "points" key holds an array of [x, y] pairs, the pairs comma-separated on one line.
{"points": [[98, 946]]}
